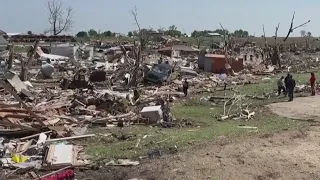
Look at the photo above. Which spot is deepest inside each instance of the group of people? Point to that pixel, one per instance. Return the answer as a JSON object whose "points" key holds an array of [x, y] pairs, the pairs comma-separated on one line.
{"points": [[287, 85]]}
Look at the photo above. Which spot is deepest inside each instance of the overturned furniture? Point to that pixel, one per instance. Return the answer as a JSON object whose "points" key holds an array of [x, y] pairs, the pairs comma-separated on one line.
{"points": [[153, 113]]}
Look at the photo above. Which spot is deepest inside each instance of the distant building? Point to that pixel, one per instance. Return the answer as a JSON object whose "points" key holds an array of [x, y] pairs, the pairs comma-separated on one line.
{"points": [[217, 62], [178, 51], [13, 34], [215, 34], [25, 38]]}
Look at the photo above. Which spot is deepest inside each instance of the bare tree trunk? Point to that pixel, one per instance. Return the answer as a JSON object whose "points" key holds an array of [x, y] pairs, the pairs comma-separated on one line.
{"points": [[198, 42], [58, 22], [276, 56], [291, 29], [25, 65], [133, 81], [143, 42], [11, 51], [276, 52]]}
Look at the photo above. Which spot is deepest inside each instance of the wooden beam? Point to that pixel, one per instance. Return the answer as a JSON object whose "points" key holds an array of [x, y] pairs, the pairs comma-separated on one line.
{"points": [[16, 96]]}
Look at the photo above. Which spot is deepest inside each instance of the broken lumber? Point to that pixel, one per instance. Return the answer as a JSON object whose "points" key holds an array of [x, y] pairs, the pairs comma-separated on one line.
{"points": [[10, 124], [16, 110], [15, 95], [70, 138], [112, 117], [35, 135], [67, 118], [19, 116]]}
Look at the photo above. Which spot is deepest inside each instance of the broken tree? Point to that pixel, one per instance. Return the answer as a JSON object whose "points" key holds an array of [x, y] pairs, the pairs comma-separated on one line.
{"points": [[274, 52], [138, 49], [25, 64]]}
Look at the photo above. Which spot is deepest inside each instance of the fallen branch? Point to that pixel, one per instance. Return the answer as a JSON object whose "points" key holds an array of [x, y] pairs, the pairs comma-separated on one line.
{"points": [[70, 138], [112, 117], [138, 142], [15, 95], [33, 136]]}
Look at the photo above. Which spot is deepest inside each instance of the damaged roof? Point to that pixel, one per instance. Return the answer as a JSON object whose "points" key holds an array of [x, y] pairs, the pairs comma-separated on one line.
{"points": [[2, 32], [3, 41], [179, 48]]}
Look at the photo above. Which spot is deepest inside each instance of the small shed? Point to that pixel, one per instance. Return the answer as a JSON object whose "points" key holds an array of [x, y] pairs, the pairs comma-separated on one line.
{"points": [[217, 62]]}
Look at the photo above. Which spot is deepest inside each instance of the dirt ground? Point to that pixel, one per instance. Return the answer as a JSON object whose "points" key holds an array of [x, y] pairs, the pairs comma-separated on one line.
{"points": [[287, 155], [305, 108]]}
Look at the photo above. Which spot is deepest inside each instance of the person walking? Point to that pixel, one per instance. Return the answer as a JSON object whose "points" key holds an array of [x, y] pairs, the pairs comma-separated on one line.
{"points": [[185, 87], [286, 80], [281, 86], [313, 84], [291, 86]]}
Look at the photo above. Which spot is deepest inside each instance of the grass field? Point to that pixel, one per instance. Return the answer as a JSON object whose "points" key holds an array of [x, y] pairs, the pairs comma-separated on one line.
{"points": [[204, 127]]}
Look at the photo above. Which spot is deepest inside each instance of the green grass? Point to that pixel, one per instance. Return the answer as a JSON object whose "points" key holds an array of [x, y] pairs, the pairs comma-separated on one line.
{"points": [[207, 128], [203, 116], [19, 49]]}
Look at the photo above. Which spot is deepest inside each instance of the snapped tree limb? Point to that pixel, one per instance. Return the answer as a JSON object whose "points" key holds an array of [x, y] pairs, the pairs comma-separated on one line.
{"points": [[291, 29]]}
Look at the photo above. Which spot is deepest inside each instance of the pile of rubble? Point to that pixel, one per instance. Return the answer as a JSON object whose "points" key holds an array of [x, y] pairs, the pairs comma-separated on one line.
{"points": [[63, 98]]}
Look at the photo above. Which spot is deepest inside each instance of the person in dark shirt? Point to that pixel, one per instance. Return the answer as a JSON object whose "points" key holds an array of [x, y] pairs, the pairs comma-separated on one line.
{"points": [[185, 87], [291, 85], [286, 80]]}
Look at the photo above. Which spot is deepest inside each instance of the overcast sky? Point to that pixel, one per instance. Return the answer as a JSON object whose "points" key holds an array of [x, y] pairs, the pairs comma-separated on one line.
{"points": [[188, 15]]}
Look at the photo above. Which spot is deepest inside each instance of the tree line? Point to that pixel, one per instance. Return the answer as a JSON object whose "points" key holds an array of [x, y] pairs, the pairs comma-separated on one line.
{"points": [[206, 33], [60, 20], [171, 31], [94, 33]]}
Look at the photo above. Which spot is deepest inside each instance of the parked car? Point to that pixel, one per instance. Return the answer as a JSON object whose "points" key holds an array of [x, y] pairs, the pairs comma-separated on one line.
{"points": [[160, 74]]}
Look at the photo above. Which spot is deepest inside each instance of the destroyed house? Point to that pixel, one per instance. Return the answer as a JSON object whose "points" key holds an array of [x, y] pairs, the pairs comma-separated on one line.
{"points": [[178, 51], [2, 33], [217, 62], [49, 39], [3, 43]]}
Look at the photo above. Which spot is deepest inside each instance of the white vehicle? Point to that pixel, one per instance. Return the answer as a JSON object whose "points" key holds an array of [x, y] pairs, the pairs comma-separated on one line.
{"points": [[53, 61], [51, 58]]}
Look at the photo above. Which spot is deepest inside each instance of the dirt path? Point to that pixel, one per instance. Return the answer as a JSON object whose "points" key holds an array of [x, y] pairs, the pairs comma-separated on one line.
{"points": [[300, 108], [288, 155]]}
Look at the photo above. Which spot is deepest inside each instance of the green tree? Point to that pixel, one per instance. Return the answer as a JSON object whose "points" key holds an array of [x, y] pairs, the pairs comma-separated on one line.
{"points": [[135, 33], [130, 33], [173, 31], [240, 33], [107, 33], [172, 27], [92, 33], [161, 30], [82, 34], [303, 33], [29, 32], [309, 34], [195, 33]]}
